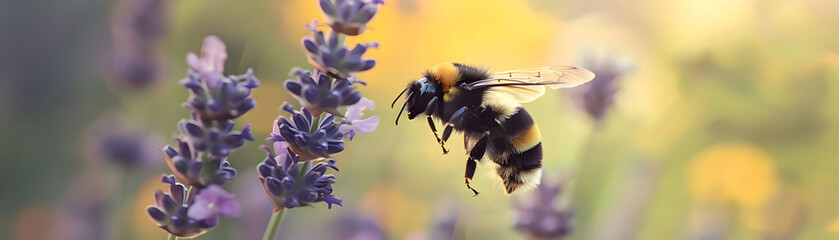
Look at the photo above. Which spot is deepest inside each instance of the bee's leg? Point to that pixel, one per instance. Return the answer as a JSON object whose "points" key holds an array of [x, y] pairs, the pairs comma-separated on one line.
{"points": [[434, 130], [457, 116], [455, 119], [474, 156], [447, 133]]}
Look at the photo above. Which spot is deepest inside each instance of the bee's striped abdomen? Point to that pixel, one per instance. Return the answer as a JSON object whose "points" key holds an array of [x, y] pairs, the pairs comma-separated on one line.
{"points": [[519, 153]]}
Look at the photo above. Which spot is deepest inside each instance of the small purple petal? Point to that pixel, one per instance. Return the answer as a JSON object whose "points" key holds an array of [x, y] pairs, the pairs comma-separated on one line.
{"points": [[156, 214], [213, 201]]}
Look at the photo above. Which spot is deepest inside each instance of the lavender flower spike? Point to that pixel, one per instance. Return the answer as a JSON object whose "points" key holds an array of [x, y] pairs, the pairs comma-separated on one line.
{"points": [[353, 123], [309, 139], [204, 144], [137, 29], [349, 16], [540, 218], [320, 93], [287, 188], [332, 56], [128, 147]]}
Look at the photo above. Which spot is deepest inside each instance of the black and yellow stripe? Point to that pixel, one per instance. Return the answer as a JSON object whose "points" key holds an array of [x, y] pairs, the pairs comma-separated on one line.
{"points": [[519, 153]]}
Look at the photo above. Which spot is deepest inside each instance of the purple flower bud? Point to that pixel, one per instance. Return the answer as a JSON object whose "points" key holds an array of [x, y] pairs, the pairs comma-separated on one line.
{"points": [[326, 94], [349, 16], [210, 66], [310, 143], [332, 56], [156, 214]]}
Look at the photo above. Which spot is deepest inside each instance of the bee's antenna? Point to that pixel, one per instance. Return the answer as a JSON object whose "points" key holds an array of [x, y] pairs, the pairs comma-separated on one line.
{"points": [[403, 107], [397, 97]]}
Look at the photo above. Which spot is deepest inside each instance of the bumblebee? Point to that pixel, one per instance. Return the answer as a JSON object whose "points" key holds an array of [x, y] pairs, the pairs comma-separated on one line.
{"points": [[486, 108]]}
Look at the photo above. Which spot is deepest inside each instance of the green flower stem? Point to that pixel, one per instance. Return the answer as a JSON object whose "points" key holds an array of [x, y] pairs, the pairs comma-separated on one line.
{"points": [[277, 216], [171, 237], [274, 224], [341, 37], [570, 182], [315, 124]]}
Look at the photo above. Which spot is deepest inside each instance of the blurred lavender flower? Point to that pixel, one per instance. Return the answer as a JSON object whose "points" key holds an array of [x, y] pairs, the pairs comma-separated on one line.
{"points": [[445, 227], [540, 218], [308, 139], [357, 226], [115, 142], [332, 56], [135, 69], [288, 187], [353, 123], [349, 16], [597, 97], [172, 210], [254, 207], [323, 95], [84, 208], [137, 28]]}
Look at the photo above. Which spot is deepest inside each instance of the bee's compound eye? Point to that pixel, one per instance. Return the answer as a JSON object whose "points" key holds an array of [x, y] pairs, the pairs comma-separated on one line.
{"points": [[422, 80]]}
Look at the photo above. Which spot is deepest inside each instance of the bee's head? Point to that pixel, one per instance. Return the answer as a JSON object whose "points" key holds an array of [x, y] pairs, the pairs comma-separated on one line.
{"points": [[422, 95]]}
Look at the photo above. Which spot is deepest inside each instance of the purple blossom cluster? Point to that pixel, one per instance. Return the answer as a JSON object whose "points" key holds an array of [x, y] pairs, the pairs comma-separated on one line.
{"points": [[325, 94], [205, 142], [540, 218], [597, 97], [288, 187], [332, 56], [308, 138], [349, 17], [294, 174]]}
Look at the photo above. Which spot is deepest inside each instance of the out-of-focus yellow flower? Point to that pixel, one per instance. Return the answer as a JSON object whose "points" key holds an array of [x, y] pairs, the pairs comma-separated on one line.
{"points": [[141, 225], [735, 173], [833, 227], [270, 96], [391, 206]]}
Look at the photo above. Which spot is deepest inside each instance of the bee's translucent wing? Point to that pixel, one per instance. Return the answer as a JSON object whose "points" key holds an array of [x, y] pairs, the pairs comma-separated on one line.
{"points": [[528, 84], [554, 77]]}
